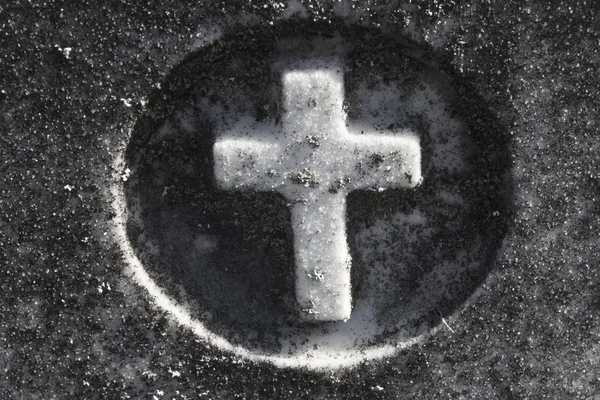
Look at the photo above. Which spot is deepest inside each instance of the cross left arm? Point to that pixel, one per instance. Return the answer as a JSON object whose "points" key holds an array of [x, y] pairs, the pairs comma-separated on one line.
{"points": [[247, 164]]}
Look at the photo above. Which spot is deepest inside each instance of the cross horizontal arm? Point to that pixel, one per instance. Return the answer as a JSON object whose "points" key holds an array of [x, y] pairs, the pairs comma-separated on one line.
{"points": [[247, 164], [385, 161]]}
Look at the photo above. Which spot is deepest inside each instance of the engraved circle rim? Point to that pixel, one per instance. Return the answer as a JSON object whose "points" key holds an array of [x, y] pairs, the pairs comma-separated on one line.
{"points": [[182, 316]]}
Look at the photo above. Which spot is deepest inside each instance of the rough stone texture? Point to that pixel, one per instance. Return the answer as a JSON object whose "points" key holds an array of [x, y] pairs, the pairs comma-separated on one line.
{"points": [[72, 84], [416, 254]]}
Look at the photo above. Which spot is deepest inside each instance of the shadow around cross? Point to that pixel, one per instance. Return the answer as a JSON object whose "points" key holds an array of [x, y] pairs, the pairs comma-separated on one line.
{"points": [[229, 255]]}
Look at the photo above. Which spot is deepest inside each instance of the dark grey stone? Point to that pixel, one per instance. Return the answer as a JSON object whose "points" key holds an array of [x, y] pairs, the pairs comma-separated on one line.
{"points": [[72, 81]]}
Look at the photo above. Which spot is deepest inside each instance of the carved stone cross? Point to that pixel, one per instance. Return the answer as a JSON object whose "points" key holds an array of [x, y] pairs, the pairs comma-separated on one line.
{"points": [[314, 162]]}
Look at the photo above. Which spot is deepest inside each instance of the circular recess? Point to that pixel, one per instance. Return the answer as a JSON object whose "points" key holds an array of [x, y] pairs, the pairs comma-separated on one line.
{"points": [[224, 260]]}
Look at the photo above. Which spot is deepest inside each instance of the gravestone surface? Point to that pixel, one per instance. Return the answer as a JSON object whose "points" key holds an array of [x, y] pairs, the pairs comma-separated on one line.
{"points": [[331, 241], [305, 199]]}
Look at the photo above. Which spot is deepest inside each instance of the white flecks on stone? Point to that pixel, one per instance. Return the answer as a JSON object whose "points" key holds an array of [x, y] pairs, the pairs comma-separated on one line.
{"points": [[103, 286], [65, 51], [314, 161], [126, 174], [206, 34]]}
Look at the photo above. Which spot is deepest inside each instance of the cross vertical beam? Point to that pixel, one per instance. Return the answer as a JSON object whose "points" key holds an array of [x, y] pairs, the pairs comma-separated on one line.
{"points": [[322, 258]]}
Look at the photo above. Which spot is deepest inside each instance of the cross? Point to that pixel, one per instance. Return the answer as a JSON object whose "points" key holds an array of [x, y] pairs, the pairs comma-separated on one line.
{"points": [[313, 160]]}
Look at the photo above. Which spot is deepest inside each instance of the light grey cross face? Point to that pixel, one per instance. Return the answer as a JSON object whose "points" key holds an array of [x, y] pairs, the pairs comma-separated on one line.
{"points": [[314, 161]]}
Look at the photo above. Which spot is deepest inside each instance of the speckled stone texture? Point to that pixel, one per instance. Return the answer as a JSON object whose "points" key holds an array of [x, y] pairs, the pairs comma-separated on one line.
{"points": [[75, 78]]}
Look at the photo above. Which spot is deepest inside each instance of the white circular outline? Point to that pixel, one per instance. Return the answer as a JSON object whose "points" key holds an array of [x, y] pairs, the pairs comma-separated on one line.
{"points": [[322, 361]]}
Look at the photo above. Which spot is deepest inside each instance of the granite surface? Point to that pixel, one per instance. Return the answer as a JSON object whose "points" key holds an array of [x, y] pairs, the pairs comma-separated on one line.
{"points": [[75, 79]]}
